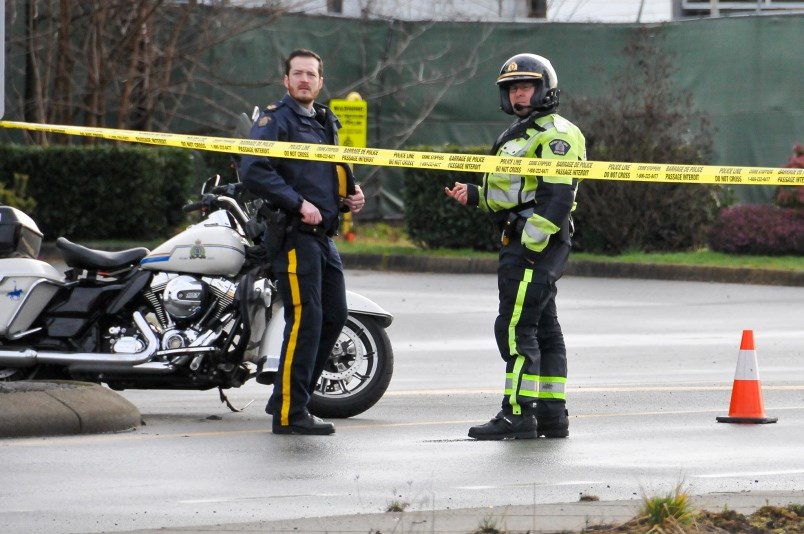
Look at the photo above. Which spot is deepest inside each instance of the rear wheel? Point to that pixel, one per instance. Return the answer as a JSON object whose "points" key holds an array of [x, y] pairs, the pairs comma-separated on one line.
{"points": [[358, 371]]}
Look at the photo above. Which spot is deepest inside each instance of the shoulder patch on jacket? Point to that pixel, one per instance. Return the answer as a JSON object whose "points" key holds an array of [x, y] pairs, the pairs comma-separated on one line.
{"points": [[265, 119], [559, 147]]}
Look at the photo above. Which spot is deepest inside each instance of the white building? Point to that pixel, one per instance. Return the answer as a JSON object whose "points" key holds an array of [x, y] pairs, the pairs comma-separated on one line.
{"points": [[606, 11]]}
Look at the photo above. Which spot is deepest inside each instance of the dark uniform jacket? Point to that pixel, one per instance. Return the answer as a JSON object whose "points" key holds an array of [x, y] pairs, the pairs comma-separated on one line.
{"points": [[285, 182]]}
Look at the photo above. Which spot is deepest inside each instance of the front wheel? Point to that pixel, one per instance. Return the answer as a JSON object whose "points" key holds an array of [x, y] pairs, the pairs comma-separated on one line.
{"points": [[358, 371]]}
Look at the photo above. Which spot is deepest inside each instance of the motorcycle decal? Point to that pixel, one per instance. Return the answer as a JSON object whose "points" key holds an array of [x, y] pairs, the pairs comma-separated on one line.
{"points": [[155, 259], [197, 251], [16, 293], [193, 252]]}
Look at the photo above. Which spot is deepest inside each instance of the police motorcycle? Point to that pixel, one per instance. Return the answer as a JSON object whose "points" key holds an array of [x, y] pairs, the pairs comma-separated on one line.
{"points": [[198, 312]]}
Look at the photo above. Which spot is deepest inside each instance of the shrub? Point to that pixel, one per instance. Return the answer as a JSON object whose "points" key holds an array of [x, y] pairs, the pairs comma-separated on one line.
{"points": [[643, 117], [792, 197], [212, 163], [759, 229], [762, 229], [433, 220], [614, 217], [16, 196]]}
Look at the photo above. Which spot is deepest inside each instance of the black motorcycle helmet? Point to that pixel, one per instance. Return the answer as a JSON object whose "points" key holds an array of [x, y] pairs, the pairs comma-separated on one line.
{"points": [[530, 68]]}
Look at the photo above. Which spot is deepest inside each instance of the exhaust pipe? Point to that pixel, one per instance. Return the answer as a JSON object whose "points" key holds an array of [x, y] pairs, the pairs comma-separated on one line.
{"points": [[86, 361]]}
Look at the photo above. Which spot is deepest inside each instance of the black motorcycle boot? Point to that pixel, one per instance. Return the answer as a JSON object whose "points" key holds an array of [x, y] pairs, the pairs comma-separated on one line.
{"points": [[308, 425], [553, 427], [505, 426]]}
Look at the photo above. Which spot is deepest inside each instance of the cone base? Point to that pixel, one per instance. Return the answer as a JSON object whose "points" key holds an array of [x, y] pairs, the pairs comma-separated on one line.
{"points": [[747, 420]]}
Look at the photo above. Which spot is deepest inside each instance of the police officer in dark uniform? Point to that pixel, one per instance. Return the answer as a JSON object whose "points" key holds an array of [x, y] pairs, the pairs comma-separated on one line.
{"points": [[307, 266], [533, 215]]}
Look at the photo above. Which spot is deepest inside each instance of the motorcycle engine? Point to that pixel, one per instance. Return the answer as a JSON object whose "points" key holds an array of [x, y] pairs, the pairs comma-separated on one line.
{"points": [[184, 304], [183, 297]]}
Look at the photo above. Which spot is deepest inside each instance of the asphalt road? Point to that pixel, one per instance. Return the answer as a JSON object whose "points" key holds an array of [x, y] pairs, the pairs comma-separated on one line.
{"points": [[651, 366]]}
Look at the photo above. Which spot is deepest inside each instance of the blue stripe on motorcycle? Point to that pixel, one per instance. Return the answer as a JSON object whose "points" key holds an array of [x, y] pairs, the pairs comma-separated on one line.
{"points": [[156, 259]]}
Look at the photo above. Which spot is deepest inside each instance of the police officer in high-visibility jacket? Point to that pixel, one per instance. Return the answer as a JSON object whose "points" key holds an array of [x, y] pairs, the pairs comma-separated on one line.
{"points": [[533, 216], [307, 266]]}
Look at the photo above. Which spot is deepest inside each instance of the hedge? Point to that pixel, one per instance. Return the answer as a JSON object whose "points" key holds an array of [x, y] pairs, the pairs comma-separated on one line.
{"points": [[103, 192], [759, 229], [433, 220], [772, 230]]}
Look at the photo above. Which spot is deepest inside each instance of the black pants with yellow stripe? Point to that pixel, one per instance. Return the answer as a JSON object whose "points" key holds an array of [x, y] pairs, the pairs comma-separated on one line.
{"points": [[309, 276], [531, 342]]}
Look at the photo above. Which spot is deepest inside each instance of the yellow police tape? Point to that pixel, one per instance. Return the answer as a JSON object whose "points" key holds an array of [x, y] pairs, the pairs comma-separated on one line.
{"points": [[603, 170]]}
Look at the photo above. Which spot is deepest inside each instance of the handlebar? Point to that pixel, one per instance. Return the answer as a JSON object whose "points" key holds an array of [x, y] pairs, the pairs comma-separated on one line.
{"points": [[192, 206], [229, 190], [220, 199]]}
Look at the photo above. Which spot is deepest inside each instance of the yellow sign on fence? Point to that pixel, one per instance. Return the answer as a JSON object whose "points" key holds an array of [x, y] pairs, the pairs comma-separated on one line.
{"points": [[354, 120], [353, 114]]}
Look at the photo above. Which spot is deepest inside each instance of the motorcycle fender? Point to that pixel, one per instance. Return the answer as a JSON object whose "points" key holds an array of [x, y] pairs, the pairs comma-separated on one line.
{"points": [[358, 304], [271, 345]]}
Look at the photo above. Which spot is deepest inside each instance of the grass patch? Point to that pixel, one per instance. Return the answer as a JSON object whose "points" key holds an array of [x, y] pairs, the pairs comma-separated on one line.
{"points": [[672, 509], [391, 239], [397, 506], [701, 258]]}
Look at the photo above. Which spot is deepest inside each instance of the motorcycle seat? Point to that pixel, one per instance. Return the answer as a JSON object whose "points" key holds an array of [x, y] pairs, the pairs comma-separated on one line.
{"points": [[80, 257]]}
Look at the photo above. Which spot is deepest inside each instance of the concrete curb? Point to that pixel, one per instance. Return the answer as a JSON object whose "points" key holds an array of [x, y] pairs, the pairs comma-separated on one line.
{"points": [[42, 408]]}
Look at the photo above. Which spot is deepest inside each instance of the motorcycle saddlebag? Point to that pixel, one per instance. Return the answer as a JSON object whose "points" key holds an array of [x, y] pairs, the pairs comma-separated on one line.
{"points": [[26, 287], [19, 235]]}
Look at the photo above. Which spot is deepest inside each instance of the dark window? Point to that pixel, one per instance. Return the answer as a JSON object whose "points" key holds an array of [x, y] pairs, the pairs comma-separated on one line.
{"points": [[334, 6], [731, 7], [537, 9]]}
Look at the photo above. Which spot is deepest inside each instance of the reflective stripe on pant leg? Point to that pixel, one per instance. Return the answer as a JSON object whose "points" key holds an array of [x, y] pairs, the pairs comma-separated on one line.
{"points": [[511, 384], [516, 373], [529, 385], [293, 283], [552, 388], [553, 369]]}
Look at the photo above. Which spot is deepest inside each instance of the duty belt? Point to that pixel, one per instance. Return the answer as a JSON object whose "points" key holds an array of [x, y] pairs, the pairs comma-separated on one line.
{"points": [[514, 221], [314, 229]]}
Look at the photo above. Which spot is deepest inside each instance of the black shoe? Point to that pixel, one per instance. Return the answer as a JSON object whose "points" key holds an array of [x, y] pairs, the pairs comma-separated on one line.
{"points": [[308, 425], [506, 427], [553, 427]]}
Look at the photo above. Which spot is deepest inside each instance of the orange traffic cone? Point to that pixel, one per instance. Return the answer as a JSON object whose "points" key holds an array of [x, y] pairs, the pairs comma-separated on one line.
{"points": [[746, 394]]}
